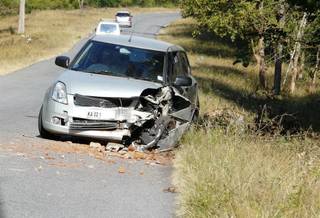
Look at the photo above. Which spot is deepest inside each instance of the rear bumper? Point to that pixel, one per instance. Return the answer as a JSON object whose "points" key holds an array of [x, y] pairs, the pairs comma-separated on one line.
{"points": [[125, 23]]}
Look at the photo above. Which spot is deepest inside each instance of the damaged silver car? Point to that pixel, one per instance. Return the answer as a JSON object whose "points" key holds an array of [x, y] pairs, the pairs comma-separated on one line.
{"points": [[124, 88]]}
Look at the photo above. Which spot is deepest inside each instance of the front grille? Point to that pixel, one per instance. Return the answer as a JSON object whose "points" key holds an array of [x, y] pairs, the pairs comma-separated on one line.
{"points": [[85, 124], [88, 101]]}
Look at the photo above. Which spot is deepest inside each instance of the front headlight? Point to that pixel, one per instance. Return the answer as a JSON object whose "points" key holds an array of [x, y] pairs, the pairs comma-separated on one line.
{"points": [[59, 93]]}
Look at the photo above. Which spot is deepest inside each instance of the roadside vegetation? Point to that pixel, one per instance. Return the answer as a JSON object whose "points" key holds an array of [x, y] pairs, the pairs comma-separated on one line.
{"points": [[12, 6], [251, 154], [48, 33]]}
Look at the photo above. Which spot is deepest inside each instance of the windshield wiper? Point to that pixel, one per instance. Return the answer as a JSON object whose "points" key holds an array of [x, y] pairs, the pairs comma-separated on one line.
{"points": [[102, 72]]}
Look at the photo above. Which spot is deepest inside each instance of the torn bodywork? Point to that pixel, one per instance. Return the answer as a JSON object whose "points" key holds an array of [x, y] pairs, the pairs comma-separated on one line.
{"points": [[167, 116], [157, 118]]}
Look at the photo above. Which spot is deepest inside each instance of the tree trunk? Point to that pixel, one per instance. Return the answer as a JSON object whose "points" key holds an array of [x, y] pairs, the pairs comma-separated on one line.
{"points": [[21, 28], [316, 69], [297, 53], [279, 53], [80, 2], [261, 63], [259, 55], [278, 69], [301, 67]]}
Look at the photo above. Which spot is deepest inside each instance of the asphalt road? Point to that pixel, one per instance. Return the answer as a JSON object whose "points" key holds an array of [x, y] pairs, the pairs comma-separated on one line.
{"points": [[29, 187]]}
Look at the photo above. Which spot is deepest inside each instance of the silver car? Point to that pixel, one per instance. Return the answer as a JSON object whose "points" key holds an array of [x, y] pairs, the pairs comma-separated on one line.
{"points": [[129, 89]]}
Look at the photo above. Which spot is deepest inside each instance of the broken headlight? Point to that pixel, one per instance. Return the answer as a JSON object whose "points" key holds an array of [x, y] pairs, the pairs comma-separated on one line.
{"points": [[59, 93]]}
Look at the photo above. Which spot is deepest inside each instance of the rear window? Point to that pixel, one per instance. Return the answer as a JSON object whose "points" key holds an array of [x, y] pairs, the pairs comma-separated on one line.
{"points": [[123, 15], [108, 28]]}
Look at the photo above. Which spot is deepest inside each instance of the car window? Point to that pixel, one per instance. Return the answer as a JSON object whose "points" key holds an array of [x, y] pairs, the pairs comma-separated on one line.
{"points": [[122, 61], [123, 15], [178, 66], [108, 28], [185, 63]]}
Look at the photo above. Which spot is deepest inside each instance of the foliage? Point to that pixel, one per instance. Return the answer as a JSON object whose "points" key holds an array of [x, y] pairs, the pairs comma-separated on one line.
{"points": [[8, 6], [11, 6], [246, 21]]}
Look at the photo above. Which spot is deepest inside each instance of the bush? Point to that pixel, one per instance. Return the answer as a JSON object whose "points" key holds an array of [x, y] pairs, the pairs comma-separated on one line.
{"points": [[8, 7], [51, 4]]}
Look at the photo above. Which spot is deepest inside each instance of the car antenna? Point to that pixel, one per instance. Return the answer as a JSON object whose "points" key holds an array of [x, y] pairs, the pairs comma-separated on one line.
{"points": [[130, 38], [132, 31]]}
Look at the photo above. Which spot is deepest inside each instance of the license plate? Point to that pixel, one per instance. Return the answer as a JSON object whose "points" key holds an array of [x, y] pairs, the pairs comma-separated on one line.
{"points": [[94, 115]]}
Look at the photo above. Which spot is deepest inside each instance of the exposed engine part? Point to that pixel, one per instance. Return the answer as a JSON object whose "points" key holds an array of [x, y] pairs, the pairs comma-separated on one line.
{"points": [[150, 137], [169, 111]]}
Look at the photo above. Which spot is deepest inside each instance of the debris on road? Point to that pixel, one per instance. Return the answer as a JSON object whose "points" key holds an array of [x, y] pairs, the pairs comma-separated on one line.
{"points": [[54, 153], [95, 145], [171, 189], [121, 169]]}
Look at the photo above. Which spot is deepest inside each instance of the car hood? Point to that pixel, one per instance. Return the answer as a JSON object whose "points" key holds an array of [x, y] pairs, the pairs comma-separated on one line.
{"points": [[89, 84]]}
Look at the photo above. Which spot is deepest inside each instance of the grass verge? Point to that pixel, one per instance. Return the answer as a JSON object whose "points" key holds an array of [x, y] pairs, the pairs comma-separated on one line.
{"points": [[225, 168], [49, 33]]}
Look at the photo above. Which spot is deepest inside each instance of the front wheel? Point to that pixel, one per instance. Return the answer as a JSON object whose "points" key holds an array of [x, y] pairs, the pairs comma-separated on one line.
{"points": [[44, 133]]}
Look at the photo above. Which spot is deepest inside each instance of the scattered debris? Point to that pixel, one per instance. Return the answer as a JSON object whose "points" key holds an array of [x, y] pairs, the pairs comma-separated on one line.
{"points": [[171, 189], [121, 169], [115, 147], [54, 153], [139, 155], [39, 168], [90, 166], [95, 145], [131, 148]]}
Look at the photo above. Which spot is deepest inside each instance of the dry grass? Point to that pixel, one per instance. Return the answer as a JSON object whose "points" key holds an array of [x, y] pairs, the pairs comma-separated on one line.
{"points": [[233, 172], [48, 33]]}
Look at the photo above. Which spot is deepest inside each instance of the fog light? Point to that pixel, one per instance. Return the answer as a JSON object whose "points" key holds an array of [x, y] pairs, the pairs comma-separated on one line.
{"points": [[56, 120]]}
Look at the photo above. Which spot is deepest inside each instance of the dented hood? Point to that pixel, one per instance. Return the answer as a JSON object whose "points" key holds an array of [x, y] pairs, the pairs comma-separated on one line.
{"points": [[103, 85]]}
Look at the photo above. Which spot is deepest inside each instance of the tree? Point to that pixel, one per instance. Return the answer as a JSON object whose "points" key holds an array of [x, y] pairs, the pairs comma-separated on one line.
{"points": [[297, 52], [21, 27], [307, 40], [80, 2], [249, 20]]}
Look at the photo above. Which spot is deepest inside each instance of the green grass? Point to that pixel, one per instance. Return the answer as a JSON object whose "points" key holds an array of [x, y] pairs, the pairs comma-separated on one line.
{"points": [[224, 166]]}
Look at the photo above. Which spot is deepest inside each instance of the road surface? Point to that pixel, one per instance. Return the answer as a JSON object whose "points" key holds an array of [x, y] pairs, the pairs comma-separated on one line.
{"points": [[78, 185]]}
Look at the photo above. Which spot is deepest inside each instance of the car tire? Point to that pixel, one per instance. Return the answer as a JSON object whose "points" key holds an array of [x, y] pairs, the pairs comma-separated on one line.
{"points": [[43, 132], [196, 113]]}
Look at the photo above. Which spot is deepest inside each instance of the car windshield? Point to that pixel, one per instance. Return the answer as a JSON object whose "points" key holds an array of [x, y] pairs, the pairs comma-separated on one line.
{"points": [[108, 28], [122, 61], [123, 15]]}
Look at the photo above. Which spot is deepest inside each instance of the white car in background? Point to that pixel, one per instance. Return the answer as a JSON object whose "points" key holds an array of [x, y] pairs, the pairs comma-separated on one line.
{"points": [[107, 27], [124, 18]]}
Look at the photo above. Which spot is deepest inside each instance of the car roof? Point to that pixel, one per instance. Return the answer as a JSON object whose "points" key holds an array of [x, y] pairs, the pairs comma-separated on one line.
{"points": [[138, 42], [108, 22], [127, 12]]}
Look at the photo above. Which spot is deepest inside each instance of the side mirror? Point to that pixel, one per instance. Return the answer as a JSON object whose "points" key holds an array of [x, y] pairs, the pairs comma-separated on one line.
{"points": [[183, 81], [62, 61]]}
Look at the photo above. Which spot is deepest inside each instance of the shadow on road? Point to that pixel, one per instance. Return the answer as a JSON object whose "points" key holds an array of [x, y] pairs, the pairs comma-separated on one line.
{"points": [[2, 215]]}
